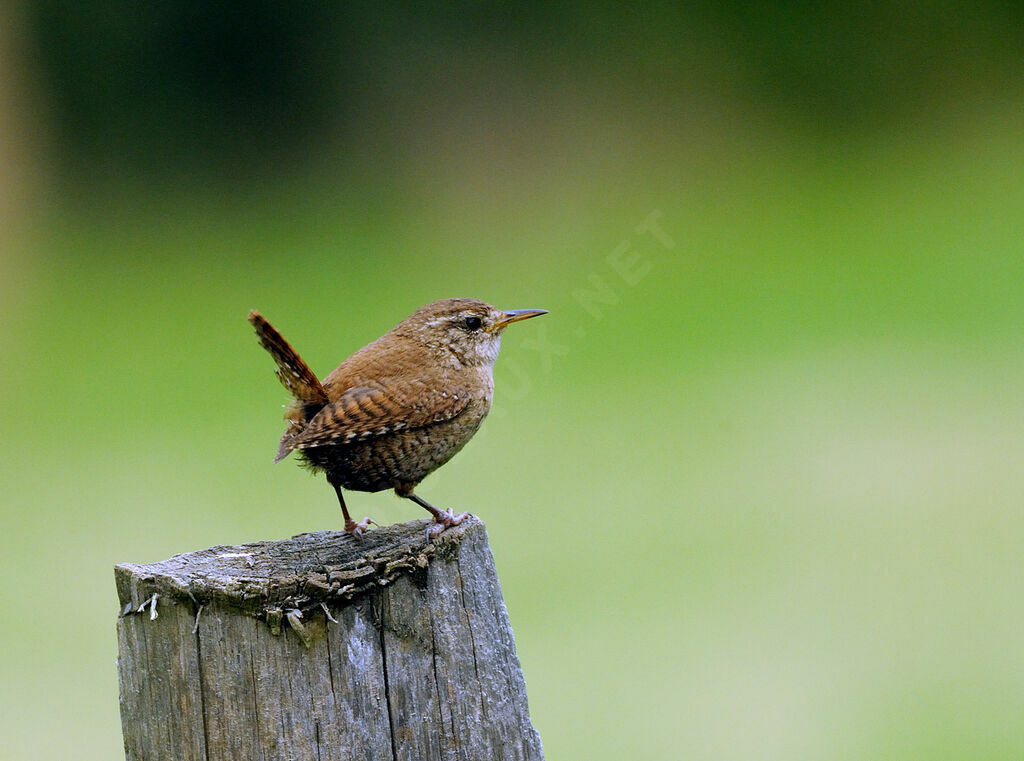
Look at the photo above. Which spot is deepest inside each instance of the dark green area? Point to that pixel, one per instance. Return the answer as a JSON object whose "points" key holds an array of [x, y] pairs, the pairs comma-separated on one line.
{"points": [[199, 87]]}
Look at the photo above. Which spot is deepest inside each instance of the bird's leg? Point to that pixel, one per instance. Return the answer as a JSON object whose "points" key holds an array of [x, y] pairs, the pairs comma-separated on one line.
{"points": [[356, 529], [442, 518]]}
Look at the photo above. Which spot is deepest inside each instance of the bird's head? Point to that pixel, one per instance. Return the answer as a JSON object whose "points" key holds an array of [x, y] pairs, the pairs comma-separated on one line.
{"points": [[468, 329]]}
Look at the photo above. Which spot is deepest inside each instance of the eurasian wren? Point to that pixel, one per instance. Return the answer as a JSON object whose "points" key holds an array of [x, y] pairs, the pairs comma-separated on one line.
{"points": [[400, 407]]}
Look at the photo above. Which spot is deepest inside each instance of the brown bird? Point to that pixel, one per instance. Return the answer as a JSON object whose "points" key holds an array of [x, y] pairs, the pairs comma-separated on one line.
{"points": [[400, 407]]}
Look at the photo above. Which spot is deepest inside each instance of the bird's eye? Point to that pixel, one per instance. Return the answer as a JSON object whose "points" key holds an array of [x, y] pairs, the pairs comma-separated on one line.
{"points": [[473, 323]]}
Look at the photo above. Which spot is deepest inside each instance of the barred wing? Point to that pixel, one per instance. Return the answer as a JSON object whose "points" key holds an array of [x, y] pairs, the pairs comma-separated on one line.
{"points": [[366, 411]]}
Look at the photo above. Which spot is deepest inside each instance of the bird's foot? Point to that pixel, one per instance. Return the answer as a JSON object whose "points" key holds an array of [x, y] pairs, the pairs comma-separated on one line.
{"points": [[357, 529], [443, 520]]}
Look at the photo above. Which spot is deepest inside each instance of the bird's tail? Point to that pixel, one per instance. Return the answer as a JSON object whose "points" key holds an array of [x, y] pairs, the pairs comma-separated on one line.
{"points": [[295, 375], [293, 372]]}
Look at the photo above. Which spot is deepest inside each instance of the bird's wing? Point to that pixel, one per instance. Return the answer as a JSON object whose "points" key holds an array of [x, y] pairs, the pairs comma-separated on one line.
{"points": [[366, 411], [295, 374]]}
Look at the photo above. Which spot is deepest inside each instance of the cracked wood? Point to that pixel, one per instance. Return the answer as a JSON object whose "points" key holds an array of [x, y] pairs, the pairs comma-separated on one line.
{"points": [[420, 663]]}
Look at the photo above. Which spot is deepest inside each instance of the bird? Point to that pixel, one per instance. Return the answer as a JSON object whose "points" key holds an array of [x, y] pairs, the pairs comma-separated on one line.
{"points": [[398, 408]]}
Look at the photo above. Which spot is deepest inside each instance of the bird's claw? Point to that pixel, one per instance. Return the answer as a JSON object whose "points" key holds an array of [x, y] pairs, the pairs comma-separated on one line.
{"points": [[357, 529], [445, 520]]}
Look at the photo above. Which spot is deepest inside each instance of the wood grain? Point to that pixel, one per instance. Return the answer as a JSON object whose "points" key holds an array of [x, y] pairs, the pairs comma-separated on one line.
{"points": [[243, 662]]}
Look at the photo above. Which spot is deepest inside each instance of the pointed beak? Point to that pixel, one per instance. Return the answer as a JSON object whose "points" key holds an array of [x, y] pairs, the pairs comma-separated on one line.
{"points": [[515, 315]]}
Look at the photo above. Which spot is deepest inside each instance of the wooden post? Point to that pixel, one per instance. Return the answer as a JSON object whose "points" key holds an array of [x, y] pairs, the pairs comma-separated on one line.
{"points": [[323, 647]]}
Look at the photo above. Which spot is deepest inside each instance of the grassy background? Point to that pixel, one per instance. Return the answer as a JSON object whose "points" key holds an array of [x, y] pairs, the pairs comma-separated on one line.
{"points": [[762, 501]]}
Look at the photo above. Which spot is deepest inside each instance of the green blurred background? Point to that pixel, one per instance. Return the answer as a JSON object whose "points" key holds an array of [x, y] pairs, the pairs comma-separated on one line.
{"points": [[754, 485]]}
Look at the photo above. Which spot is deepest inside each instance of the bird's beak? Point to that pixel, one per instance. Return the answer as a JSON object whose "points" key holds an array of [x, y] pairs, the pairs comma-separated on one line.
{"points": [[515, 315]]}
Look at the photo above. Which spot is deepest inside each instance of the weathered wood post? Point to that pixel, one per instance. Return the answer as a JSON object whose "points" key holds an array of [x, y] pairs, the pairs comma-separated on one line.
{"points": [[323, 647]]}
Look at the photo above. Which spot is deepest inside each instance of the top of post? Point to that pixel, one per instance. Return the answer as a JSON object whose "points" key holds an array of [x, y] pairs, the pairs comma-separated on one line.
{"points": [[265, 578]]}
